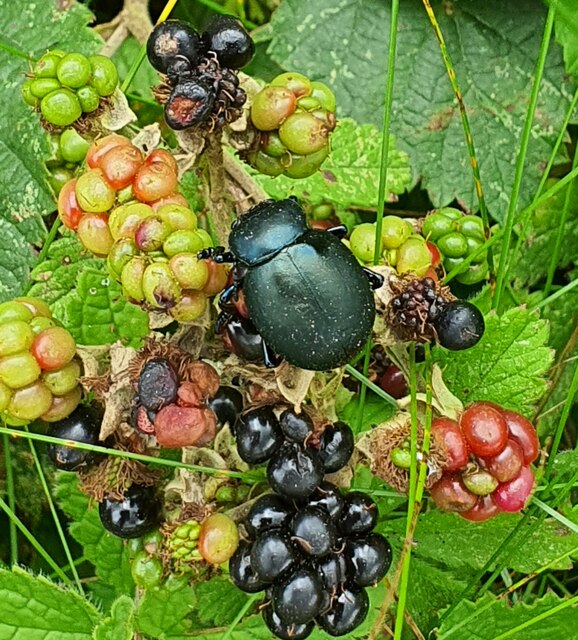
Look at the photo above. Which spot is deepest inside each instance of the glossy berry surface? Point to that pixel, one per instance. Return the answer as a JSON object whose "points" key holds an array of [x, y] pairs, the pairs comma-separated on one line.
{"points": [[272, 554], [484, 509], [294, 472], [335, 446], [82, 425], [333, 571], [460, 325], [484, 429], [512, 496], [523, 432], [448, 436], [227, 404], [328, 498], [393, 382], [258, 435], [368, 559], [190, 103], [359, 514], [290, 631], [347, 612], [218, 538], [170, 39], [229, 40], [241, 570], [268, 512], [297, 597], [296, 427], [450, 494], [313, 530], [508, 463], [131, 517]]}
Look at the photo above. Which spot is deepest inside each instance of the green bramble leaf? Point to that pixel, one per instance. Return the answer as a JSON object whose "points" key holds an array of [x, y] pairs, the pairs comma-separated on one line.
{"points": [[120, 624], [25, 196], [508, 365], [490, 617], [375, 411], [33, 608], [56, 275], [219, 601], [70, 499], [350, 175], [146, 77], [96, 312], [494, 54], [162, 612], [108, 554], [536, 252], [442, 537]]}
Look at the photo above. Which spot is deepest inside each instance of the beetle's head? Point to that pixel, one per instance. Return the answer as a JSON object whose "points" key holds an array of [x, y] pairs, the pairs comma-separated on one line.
{"points": [[266, 229]]}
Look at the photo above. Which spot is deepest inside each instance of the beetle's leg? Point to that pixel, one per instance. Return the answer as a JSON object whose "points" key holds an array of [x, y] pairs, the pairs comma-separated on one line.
{"points": [[268, 360], [223, 318], [230, 293], [339, 231], [218, 254], [375, 279]]}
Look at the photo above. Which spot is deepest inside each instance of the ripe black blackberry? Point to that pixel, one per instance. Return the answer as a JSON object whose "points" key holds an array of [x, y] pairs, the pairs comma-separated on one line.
{"points": [[414, 308]]}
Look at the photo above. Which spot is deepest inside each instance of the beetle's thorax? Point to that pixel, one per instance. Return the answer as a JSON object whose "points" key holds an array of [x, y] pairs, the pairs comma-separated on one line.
{"points": [[266, 229]]}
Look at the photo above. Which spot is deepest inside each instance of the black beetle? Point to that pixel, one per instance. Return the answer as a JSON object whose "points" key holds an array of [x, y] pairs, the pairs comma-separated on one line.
{"points": [[305, 292]]}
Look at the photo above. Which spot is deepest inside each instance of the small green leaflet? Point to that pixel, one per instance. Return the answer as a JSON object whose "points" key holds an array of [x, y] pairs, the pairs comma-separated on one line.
{"points": [[25, 197], [108, 554], [56, 275], [490, 617], [350, 175], [97, 313], [219, 601], [508, 365], [442, 537], [33, 608], [120, 624], [162, 612]]}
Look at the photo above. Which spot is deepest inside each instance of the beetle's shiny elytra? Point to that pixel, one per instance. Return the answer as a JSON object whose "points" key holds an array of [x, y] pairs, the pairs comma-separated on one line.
{"points": [[305, 292]]}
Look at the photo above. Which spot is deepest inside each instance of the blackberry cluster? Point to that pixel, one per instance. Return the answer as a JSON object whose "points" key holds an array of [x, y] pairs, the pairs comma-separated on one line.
{"points": [[487, 455], [421, 311], [201, 86], [171, 399], [64, 86], [312, 549], [39, 370]]}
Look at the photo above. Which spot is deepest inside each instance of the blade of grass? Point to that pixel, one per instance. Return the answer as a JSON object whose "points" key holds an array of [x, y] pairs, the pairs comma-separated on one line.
{"points": [[170, 5], [251, 476], [416, 485], [538, 618], [513, 203], [560, 233], [466, 126], [57, 524], [370, 385], [525, 217], [239, 617], [383, 167], [557, 516], [11, 499], [557, 294], [34, 542]]}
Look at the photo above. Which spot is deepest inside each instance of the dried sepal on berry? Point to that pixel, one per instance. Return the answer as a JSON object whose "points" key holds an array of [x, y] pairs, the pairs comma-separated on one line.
{"points": [[414, 307]]}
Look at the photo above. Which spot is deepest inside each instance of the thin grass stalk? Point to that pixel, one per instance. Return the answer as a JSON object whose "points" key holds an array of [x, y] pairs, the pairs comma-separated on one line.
{"points": [[57, 524], [513, 203], [466, 126], [34, 542], [10, 493], [560, 232]]}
